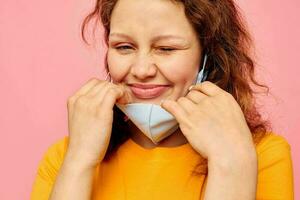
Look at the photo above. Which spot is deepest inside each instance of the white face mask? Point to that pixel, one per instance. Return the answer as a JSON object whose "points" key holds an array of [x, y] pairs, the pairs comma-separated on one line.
{"points": [[154, 121]]}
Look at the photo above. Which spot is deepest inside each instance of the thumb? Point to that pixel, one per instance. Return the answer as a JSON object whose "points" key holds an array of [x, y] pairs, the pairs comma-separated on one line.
{"points": [[126, 97], [176, 110]]}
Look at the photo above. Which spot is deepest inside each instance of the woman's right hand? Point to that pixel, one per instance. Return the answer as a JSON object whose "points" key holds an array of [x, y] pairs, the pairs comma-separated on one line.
{"points": [[90, 117]]}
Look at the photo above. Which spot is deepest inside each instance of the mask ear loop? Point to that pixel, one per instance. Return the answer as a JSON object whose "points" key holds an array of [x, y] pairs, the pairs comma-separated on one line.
{"points": [[204, 71], [108, 76]]}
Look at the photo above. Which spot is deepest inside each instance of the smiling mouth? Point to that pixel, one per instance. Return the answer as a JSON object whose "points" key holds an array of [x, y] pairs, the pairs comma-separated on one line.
{"points": [[148, 91]]}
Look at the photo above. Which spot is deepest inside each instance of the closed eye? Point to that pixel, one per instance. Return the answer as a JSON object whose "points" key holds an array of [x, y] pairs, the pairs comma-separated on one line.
{"points": [[122, 47], [125, 47], [166, 49]]}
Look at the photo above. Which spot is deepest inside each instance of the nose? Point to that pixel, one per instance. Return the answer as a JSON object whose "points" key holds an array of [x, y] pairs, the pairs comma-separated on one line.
{"points": [[143, 67]]}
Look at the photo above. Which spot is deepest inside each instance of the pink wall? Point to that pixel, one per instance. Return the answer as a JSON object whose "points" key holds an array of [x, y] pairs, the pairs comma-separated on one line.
{"points": [[43, 62]]}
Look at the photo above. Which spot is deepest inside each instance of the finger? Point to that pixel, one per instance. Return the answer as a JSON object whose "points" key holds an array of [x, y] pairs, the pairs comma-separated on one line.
{"points": [[126, 98], [207, 88], [186, 104], [99, 87], [114, 92], [111, 96], [86, 87], [176, 110], [195, 96], [82, 91], [102, 92]]}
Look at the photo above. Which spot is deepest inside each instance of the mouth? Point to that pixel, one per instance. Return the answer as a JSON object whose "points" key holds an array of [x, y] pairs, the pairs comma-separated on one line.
{"points": [[147, 91]]}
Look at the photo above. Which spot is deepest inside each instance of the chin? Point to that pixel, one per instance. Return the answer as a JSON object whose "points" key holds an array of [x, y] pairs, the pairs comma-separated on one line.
{"points": [[152, 101]]}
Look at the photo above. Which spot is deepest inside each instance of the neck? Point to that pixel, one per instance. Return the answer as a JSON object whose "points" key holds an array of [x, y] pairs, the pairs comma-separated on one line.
{"points": [[175, 139]]}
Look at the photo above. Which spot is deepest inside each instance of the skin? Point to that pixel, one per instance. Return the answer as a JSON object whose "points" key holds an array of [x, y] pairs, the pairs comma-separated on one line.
{"points": [[141, 57], [205, 108]]}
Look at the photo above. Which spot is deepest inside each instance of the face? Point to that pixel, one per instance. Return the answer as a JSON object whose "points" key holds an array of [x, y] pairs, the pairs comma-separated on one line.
{"points": [[153, 50]]}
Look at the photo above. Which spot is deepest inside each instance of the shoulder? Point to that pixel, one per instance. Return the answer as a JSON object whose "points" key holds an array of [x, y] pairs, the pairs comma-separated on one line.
{"points": [[52, 159], [272, 141], [58, 148], [274, 168], [274, 150], [48, 168]]}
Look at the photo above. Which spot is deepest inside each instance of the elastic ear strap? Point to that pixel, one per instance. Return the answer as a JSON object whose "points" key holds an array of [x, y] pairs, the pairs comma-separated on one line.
{"points": [[204, 61], [106, 78], [202, 74], [205, 72]]}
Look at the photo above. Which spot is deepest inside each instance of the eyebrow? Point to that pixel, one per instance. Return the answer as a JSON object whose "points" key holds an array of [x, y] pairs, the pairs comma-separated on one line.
{"points": [[155, 39]]}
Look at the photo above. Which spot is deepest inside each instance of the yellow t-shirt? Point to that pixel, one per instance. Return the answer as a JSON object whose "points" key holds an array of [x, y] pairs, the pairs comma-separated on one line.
{"points": [[136, 173]]}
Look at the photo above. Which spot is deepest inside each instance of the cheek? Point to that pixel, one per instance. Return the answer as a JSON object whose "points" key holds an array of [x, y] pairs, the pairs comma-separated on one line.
{"points": [[181, 71], [116, 66]]}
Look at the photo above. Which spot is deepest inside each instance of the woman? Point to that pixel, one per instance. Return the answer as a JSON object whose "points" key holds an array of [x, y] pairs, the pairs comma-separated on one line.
{"points": [[221, 148]]}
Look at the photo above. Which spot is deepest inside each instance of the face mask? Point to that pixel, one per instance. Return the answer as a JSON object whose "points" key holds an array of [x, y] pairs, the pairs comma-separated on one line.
{"points": [[154, 121]]}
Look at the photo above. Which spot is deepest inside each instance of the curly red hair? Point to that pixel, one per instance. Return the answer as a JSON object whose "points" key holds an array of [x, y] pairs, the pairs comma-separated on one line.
{"points": [[224, 37]]}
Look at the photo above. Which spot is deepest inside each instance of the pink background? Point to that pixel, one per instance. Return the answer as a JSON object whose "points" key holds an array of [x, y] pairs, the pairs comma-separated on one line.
{"points": [[43, 62]]}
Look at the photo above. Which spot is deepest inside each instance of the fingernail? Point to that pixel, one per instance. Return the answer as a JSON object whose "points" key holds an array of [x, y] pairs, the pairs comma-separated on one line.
{"points": [[161, 101], [191, 87]]}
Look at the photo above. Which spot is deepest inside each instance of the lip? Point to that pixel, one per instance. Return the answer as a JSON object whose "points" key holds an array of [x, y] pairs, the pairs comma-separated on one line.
{"points": [[147, 91], [145, 86]]}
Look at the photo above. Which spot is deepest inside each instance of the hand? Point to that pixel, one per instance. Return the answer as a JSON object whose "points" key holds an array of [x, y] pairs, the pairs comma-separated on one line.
{"points": [[212, 122], [90, 116]]}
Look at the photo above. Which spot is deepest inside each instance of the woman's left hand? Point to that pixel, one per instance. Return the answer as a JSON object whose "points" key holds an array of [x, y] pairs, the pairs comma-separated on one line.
{"points": [[213, 123]]}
